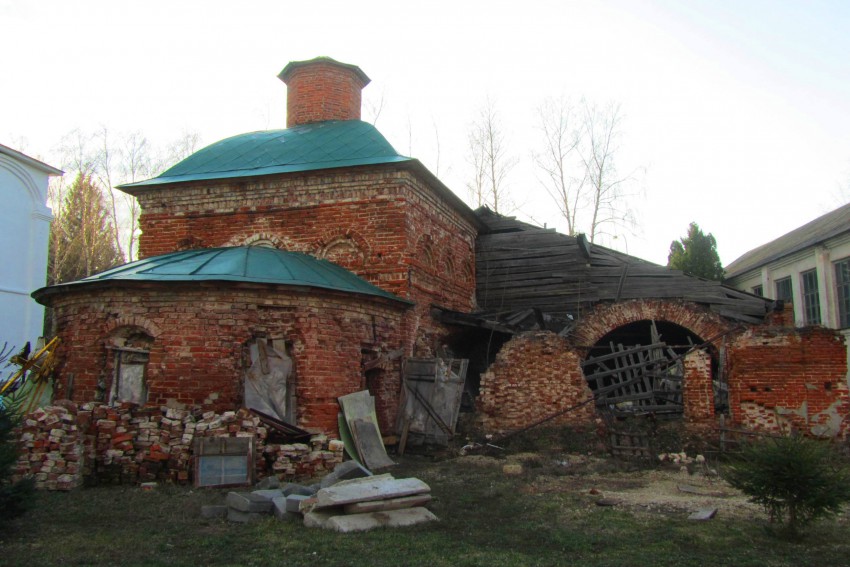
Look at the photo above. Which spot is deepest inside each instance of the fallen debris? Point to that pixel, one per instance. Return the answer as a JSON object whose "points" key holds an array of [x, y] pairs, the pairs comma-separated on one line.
{"points": [[703, 514]]}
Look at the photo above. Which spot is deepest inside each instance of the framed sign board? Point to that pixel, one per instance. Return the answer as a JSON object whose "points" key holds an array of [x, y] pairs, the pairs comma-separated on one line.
{"points": [[224, 461]]}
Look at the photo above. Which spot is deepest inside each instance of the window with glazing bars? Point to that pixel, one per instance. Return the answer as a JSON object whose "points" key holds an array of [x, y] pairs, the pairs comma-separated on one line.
{"points": [[758, 290], [842, 291], [784, 291], [811, 299]]}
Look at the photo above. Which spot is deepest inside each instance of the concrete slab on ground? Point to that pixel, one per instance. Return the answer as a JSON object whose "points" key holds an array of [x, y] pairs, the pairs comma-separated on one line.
{"points": [[391, 519], [703, 514], [341, 494]]}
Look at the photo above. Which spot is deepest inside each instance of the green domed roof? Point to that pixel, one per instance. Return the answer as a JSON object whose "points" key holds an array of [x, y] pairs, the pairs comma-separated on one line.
{"points": [[322, 145], [246, 264]]}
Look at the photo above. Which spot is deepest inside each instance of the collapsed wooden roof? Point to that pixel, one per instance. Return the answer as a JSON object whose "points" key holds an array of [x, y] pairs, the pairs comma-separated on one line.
{"points": [[531, 277]]}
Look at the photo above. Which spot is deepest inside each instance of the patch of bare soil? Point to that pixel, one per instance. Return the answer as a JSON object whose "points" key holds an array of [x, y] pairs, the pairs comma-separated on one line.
{"points": [[668, 489]]}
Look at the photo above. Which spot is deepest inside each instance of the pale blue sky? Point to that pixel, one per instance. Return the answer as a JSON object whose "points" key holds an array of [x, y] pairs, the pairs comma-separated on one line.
{"points": [[738, 111]]}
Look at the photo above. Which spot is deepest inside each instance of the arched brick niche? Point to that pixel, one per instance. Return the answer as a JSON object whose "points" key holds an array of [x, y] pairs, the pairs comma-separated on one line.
{"points": [[607, 317]]}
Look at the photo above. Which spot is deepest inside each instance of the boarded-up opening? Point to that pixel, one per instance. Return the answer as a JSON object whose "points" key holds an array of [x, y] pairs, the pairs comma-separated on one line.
{"points": [[639, 369], [269, 379], [431, 397]]}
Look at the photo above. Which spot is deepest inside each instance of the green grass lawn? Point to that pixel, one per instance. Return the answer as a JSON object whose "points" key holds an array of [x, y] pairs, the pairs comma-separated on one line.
{"points": [[486, 518]]}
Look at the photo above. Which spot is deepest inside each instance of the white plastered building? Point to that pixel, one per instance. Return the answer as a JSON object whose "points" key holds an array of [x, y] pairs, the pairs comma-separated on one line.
{"points": [[24, 232]]}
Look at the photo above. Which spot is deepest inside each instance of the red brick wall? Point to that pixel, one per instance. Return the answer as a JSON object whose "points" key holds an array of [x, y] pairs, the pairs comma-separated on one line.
{"points": [[200, 331], [697, 387], [535, 375], [322, 91], [386, 225], [782, 379]]}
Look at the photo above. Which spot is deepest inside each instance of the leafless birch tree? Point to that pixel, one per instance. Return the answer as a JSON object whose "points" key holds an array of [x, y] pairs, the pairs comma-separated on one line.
{"points": [[578, 162], [490, 160], [557, 160]]}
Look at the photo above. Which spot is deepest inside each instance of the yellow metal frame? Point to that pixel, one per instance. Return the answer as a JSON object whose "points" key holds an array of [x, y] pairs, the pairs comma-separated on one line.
{"points": [[39, 366]]}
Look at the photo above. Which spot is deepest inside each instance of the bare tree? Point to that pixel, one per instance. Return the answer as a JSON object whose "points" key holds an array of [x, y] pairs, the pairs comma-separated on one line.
{"points": [[105, 164], [579, 165], [557, 160], [181, 148], [606, 186], [490, 160], [373, 109]]}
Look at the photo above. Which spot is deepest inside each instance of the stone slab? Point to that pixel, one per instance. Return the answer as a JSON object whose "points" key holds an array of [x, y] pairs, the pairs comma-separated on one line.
{"points": [[703, 514], [345, 471], [209, 512], [248, 502], [370, 489], [369, 443], [386, 505], [391, 519]]}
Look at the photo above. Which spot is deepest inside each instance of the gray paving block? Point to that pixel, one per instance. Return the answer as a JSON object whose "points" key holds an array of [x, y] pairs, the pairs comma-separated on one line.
{"points": [[279, 510], [291, 488], [248, 502], [293, 502], [268, 494], [391, 519], [219, 511]]}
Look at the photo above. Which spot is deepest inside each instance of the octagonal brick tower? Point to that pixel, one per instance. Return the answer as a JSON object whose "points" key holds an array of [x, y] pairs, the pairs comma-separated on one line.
{"points": [[322, 89]]}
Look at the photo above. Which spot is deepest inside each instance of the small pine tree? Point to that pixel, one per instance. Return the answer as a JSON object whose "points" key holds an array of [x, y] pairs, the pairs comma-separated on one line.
{"points": [[696, 255], [796, 480], [14, 497]]}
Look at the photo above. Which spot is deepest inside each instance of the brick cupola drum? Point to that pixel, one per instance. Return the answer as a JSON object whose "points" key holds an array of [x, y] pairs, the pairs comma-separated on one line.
{"points": [[283, 269]]}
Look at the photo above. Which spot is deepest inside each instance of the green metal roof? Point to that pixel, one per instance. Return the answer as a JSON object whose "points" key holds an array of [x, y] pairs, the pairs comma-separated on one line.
{"points": [[246, 264], [321, 145]]}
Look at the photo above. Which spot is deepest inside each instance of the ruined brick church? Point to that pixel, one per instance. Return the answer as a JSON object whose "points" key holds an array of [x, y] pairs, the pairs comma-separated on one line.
{"points": [[323, 244]]}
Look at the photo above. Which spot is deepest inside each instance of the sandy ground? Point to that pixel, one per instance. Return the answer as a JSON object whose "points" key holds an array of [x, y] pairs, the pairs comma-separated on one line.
{"points": [[669, 489]]}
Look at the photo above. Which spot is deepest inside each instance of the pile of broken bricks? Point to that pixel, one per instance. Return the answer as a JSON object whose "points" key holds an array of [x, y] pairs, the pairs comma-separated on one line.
{"points": [[349, 499]]}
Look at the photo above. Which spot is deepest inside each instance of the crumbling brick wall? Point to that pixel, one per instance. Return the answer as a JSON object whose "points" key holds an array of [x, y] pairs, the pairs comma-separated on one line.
{"points": [[199, 334], [535, 375], [779, 378], [63, 446], [783, 379]]}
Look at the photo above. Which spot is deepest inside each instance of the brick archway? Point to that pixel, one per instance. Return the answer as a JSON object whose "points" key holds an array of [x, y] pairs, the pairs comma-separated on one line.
{"points": [[606, 317], [694, 378]]}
